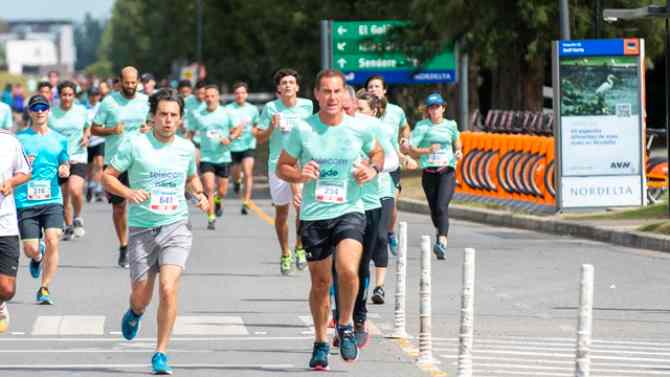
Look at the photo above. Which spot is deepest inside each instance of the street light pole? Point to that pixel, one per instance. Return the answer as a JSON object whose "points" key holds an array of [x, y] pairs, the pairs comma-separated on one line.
{"points": [[565, 19], [652, 11], [667, 91]]}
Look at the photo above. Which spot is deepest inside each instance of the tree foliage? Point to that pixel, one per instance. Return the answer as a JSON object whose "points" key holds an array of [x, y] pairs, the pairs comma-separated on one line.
{"points": [[249, 40], [87, 36]]}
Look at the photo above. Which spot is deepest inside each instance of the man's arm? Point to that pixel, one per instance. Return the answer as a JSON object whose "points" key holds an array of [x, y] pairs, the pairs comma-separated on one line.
{"points": [[100, 130], [289, 171], [194, 186], [111, 183]]}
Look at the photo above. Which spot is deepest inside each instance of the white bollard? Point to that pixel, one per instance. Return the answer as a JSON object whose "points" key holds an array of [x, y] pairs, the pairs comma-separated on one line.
{"points": [[399, 322], [585, 323], [466, 338], [425, 326]]}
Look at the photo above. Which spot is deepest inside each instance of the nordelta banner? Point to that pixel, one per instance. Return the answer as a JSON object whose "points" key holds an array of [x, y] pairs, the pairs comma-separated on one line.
{"points": [[598, 89]]}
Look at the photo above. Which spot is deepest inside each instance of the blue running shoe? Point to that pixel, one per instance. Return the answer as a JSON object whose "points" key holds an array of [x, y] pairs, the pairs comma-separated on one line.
{"points": [[348, 343], [440, 250], [130, 324], [319, 360], [43, 296], [35, 266], [159, 364], [393, 244]]}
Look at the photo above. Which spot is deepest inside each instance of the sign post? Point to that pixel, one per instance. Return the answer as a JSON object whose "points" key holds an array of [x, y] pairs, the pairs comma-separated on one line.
{"points": [[361, 49], [598, 89]]}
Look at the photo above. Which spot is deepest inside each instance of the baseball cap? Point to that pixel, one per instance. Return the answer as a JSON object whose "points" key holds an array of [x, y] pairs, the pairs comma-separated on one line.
{"points": [[38, 100], [435, 99], [147, 77]]}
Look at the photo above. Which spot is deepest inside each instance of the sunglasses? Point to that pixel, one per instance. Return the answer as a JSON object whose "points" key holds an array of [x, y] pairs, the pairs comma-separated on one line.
{"points": [[39, 107]]}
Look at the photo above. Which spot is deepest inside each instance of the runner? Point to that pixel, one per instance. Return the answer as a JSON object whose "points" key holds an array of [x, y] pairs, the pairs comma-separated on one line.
{"points": [[39, 202], [14, 171], [45, 89], [54, 79], [71, 121], [436, 142], [160, 166], [275, 123], [122, 113], [243, 149], [96, 150], [367, 108], [328, 146], [394, 118], [191, 104], [184, 88], [148, 84], [216, 128], [6, 119]]}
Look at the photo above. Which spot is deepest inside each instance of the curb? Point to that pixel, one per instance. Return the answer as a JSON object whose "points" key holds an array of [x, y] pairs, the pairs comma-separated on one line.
{"points": [[639, 240]]}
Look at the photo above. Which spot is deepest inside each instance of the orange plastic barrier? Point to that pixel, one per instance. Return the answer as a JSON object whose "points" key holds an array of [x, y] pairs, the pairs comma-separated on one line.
{"points": [[508, 169]]}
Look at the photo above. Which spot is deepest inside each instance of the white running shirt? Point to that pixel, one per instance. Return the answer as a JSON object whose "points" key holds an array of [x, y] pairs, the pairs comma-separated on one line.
{"points": [[12, 161]]}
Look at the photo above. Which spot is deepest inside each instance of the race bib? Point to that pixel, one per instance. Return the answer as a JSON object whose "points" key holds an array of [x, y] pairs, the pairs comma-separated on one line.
{"points": [[286, 122], [214, 135], [439, 158], [331, 191], [39, 190], [165, 202]]}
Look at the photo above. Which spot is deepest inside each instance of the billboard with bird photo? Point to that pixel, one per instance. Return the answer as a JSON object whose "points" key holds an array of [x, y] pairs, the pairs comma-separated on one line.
{"points": [[599, 85]]}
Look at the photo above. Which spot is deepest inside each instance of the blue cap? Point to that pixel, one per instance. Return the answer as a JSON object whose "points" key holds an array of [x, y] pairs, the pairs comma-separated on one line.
{"points": [[435, 99]]}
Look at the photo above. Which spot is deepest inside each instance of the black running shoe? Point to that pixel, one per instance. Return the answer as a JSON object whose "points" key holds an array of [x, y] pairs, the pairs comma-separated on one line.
{"points": [[378, 296]]}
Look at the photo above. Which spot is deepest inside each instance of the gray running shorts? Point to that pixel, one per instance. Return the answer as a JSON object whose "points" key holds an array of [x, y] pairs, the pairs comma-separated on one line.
{"points": [[150, 248]]}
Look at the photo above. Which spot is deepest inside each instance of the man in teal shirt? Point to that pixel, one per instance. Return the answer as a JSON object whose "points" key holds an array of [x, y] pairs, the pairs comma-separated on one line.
{"points": [[325, 153], [243, 149], [71, 120], [160, 166], [275, 124], [122, 115], [216, 129]]}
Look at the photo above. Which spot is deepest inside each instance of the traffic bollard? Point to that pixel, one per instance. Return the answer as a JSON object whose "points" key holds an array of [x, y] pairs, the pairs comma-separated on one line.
{"points": [[466, 338], [399, 321], [584, 323], [425, 326]]}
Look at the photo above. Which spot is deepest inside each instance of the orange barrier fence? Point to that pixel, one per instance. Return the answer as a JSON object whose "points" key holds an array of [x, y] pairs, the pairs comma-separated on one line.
{"points": [[508, 169]]}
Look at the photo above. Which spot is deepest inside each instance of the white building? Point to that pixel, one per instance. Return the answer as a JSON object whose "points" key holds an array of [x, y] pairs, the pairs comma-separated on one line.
{"points": [[35, 47]]}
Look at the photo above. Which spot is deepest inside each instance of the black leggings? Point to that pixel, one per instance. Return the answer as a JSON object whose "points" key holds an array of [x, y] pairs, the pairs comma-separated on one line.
{"points": [[439, 188], [381, 254]]}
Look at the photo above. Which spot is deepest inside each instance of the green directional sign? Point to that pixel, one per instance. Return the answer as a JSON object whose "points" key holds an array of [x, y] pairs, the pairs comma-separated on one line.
{"points": [[362, 48]]}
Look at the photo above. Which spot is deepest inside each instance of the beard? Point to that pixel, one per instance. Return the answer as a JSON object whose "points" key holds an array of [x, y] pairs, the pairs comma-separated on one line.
{"points": [[128, 92]]}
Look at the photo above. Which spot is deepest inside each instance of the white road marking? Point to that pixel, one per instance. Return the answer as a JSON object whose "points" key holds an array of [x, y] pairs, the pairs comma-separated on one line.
{"points": [[69, 325], [144, 366], [571, 363], [209, 325], [173, 339]]}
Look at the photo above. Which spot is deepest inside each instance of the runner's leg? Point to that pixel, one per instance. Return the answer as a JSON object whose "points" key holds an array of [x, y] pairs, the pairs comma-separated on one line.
{"points": [[169, 279]]}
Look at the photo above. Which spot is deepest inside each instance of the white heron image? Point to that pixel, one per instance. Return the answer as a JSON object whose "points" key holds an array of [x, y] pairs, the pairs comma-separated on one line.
{"points": [[607, 85]]}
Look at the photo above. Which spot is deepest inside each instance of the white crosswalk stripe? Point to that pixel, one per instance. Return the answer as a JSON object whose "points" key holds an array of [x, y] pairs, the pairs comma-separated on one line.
{"points": [[70, 325], [536, 356]]}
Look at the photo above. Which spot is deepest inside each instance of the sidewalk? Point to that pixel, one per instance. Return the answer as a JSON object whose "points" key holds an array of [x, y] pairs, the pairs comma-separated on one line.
{"points": [[618, 232]]}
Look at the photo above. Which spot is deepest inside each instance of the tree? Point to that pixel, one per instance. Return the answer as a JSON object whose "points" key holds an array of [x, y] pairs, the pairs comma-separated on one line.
{"points": [[87, 36]]}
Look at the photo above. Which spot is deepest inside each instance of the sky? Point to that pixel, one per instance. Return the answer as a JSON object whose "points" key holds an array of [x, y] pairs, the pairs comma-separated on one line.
{"points": [[55, 9]]}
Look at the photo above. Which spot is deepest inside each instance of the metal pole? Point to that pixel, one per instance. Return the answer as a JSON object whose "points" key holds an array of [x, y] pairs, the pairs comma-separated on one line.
{"points": [[565, 19], [425, 324], [198, 52], [463, 82], [585, 323], [596, 19], [325, 44], [667, 89], [399, 319], [466, 338]]}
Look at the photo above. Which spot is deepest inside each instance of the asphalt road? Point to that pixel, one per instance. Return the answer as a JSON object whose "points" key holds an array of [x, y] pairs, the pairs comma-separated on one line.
{"points": [[238, 316]]}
